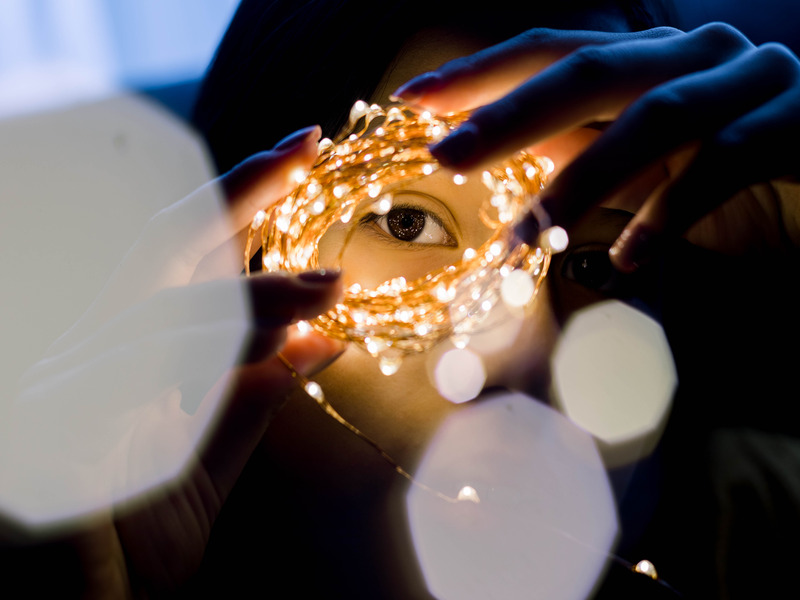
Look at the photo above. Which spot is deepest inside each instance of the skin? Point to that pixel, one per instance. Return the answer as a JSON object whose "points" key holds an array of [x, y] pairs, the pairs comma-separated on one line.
{"points": [[403, 411], [314, 493]]}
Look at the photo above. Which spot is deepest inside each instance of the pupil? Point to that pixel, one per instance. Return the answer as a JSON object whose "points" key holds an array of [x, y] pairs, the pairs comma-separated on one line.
{"points": [[405, 223], [593, 269]]}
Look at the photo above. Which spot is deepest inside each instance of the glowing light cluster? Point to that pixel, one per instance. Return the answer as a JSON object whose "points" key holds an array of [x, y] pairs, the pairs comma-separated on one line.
{"points": [[383, 149]]}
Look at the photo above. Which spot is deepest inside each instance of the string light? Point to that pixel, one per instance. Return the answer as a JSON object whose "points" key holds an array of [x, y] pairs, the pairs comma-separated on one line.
{"points": [[383, 149], [356, 175]]}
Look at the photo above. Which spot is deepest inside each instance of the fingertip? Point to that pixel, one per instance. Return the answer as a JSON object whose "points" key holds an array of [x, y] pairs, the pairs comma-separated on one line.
{"points": [[299, 137], [272, 173], [634, 247], [311, 352], [458, 148], [413, 90], [321, 276]]}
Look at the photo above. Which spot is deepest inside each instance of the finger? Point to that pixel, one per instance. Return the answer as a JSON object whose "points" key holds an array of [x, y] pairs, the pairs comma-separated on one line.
{"points": [[739, 156], [594, 83], [471, 81], [179, 237], [666, 118], [263, 302], [259, 391], [242, 189], [204, 220]]}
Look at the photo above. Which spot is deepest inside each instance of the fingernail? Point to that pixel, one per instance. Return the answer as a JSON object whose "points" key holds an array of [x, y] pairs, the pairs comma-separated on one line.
{"points": [[320, 276], [458, 147], [633, 248], [298, 137], [413, 90]]}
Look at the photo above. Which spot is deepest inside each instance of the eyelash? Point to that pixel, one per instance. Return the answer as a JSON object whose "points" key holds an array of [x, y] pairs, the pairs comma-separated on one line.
{"points": [[373, 218]]}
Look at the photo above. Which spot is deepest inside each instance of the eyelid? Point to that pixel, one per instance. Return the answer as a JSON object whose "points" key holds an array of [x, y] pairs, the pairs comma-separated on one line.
{"points": [[373, 218]]}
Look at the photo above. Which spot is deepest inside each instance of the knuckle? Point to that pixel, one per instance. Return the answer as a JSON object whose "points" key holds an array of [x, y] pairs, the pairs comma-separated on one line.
{"points": [[729, 143], [722, 36], [591, 62], [539, 36], [779, 62], [659, 32], [663, 104]]}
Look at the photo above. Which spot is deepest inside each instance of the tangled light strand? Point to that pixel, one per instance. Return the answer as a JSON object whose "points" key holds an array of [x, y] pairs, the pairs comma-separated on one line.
{"points": [[358, 175]]}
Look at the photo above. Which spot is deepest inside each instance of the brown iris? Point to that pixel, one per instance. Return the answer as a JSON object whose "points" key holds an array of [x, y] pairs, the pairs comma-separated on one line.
{"points": [[405, 223]]}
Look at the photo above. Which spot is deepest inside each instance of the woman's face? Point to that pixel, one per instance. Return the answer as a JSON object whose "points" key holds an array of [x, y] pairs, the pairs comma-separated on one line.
{"points": [[431, 223]]}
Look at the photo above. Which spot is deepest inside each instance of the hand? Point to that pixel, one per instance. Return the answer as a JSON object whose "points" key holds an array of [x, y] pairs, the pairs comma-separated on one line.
{"points": [[690, 119], [172, 371]]}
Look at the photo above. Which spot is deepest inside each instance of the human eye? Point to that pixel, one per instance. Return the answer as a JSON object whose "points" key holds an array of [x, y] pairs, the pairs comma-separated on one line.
{"points": [[411, 224], [590, 267]]}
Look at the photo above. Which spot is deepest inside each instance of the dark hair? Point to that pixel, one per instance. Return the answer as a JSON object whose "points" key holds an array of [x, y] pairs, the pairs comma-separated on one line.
{"points": [[284, 64]]}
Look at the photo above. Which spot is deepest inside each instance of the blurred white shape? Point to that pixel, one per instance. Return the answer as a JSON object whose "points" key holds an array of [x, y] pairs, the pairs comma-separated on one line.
{"points": [[56, 52], [469, 494], [613, 375], [459, 375], [517, 288], [117, 410], [546, 519], [556, 239]]}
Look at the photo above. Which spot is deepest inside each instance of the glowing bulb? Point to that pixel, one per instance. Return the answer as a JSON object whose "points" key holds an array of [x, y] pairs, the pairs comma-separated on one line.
{"points": [[389, 365], [282, 223], [314, 390], [547, 165], [422, 329], [299, 175], [443, 294], [258, 219], [348, 214], [557, 239], [517, 289], [459, 375], [359, 109], [317, 207], [303, 327], [468, 494], [383, 206], [460, 340], [356, 171], [645, 567]]}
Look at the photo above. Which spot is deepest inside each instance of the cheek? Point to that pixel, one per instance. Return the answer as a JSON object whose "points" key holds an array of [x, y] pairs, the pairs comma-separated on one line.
{"points": [[523, 362]]}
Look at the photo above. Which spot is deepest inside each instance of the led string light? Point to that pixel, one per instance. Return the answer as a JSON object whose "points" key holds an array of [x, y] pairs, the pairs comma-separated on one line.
{"points": [[384, 149], [357, 175]]}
